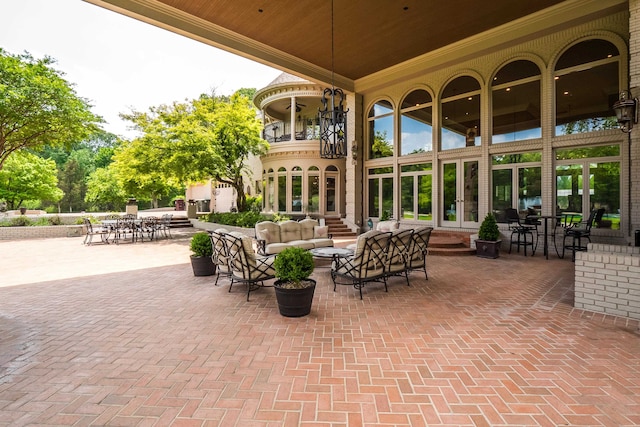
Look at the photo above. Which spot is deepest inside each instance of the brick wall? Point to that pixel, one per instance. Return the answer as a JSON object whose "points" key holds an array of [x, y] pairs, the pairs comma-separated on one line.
{"points": [[40, 232], [607, 280]]}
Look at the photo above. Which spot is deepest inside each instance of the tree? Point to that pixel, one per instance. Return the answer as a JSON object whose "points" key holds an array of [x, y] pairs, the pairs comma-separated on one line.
{"points": [[210, 137], [104, 191], [28, 177], [38, 107]]}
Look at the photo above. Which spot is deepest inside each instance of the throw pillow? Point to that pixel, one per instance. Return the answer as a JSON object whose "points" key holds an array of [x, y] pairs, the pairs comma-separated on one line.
{"points": [[263, 235], [320, 231]]}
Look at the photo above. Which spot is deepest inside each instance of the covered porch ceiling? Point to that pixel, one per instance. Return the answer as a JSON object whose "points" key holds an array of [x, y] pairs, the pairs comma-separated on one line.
{"points": [[370, 37]]}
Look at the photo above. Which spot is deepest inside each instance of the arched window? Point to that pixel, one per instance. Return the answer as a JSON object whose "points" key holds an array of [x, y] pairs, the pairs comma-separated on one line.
{"points": [[516, 102], [381, 130], [270, 191], [296, 189], [461, 113], [313, 189], [282, 190], [586, 78], [416, 119]]}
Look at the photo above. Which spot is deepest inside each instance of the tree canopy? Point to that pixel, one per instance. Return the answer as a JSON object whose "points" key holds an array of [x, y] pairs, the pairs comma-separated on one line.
{"points": [[38, 106], [28, 177], [209, 137]]}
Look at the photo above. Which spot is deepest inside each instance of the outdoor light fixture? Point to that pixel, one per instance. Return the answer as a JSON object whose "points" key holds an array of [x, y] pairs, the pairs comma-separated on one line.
{"points": [[333, 117], [626, 111]]}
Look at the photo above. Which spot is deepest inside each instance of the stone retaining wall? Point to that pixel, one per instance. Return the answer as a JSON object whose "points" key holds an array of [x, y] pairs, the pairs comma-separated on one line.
{"points": [[40, 232], [607, 280]]}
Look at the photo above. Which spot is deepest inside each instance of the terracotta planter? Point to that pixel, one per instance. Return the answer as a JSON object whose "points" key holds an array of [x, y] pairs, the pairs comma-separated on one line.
{"points": [[294, 302], [203, 266], [488, 248]]}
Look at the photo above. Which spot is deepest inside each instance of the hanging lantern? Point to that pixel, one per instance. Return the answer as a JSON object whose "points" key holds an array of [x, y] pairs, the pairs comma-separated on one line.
{"points": [[333, 117], [333, 125]]}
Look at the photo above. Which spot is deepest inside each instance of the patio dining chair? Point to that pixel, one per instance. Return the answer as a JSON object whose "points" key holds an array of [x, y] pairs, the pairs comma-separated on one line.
{"points": [[246, 267], [574, 234], [148, 227], [94, 230], [368, 263], [522, 234], [164, 225]]}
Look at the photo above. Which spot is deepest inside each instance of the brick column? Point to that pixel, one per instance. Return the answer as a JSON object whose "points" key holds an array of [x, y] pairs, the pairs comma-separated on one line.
{"points": [[634, 85]]}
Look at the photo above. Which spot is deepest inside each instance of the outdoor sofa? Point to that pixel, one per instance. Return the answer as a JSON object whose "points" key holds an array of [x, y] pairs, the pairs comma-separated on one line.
{"points": [[273, 237]]}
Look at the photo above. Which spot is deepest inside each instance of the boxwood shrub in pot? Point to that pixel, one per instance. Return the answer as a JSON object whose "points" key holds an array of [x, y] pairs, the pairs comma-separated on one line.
{"points": [[488, 242], [294, 289], [201, 254]]}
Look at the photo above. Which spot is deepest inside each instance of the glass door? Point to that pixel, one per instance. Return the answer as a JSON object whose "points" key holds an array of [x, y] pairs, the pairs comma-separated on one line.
{"points": [[331, 193], [459, 194]]}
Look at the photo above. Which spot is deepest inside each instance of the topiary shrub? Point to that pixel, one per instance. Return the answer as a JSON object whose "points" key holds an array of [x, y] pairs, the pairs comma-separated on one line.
{"points": [[489, 229], [200, 245], [293, 266]]}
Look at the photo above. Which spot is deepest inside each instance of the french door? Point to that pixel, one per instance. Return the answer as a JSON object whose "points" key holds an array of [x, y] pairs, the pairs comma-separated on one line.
{"points": [[459, 196]]}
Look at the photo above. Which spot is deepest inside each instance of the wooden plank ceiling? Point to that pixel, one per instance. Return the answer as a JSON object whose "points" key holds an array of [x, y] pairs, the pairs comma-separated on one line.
{"points": [[369, 35]]}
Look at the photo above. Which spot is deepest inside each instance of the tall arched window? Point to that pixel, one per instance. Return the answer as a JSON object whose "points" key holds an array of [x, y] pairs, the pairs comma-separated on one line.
{"points": [[313, 189], [296, 189], [282, 190], [416, 119], [269, 206], [586, 77], [516, 102], [381, 130], [461, 113]]}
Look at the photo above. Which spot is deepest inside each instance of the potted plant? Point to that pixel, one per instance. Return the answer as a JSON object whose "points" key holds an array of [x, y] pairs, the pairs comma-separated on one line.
{"points": [[201, 254], [294, 289], [488, 242]]}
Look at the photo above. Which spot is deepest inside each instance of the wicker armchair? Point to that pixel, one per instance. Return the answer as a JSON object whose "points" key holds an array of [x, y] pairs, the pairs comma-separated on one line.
{"points": [[245, 266], [368, 263], [419, 249]]}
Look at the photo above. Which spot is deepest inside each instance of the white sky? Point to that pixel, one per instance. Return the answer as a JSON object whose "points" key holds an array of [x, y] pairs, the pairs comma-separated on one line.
{"points": [[119, 63]]}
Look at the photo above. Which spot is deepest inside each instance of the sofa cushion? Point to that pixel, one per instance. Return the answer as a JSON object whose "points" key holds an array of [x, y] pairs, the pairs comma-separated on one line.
{"points": [[276, 248], [387, 225], [322, 242], [290, 231], [268, 231], [307, 227], [320, 231], [304, 244]]}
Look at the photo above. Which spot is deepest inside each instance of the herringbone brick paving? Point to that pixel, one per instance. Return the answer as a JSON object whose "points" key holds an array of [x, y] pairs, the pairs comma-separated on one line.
{"points": [[126, 336]]}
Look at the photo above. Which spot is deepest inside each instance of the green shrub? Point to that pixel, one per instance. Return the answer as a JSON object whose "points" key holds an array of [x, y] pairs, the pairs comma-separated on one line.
{"points": [[200, 244], [489, 228], [20, 221], [293, 265], [238, 219]]}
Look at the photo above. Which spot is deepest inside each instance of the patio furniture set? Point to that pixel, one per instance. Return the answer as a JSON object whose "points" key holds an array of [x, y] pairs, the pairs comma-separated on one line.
{"points": [[127, 228], [567, 233], [376, 256]]}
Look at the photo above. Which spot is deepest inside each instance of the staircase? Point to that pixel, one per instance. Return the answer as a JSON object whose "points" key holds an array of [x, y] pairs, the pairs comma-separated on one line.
{"points": [[180, 222], [450, 243], [338, 229]]}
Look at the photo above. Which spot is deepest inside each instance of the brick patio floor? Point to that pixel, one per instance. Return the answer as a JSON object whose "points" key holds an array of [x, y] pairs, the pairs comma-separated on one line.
{"points": [[125, 335]]}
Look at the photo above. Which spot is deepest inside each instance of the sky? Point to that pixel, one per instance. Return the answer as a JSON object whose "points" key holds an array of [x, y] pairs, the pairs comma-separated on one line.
{"points": [[120, 64]]}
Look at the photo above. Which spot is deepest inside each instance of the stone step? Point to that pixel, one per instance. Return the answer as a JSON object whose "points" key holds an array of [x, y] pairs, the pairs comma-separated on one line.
{"points": [[450, 243]]}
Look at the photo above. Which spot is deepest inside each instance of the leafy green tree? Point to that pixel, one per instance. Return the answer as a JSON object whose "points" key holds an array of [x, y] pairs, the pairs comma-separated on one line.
{"points": [[26, 176], [38, 107], [210, 137], [104, 191], [152, 184], [381, 146]]}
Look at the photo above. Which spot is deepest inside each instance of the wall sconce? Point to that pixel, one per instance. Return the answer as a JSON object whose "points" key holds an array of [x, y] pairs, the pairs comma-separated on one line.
{"points": [[626, 111], [354, 151]]}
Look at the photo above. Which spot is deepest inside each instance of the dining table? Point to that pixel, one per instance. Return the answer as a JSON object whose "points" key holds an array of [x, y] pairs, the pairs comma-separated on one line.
{"points": [[546, 219]]}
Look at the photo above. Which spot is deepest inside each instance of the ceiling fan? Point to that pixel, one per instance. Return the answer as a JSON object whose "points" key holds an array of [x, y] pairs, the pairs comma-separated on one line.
{"points": [[298, 107]]}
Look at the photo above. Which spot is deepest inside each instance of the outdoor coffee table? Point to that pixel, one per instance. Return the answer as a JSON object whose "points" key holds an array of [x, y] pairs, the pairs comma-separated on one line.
{"points": [[329, 253]]}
